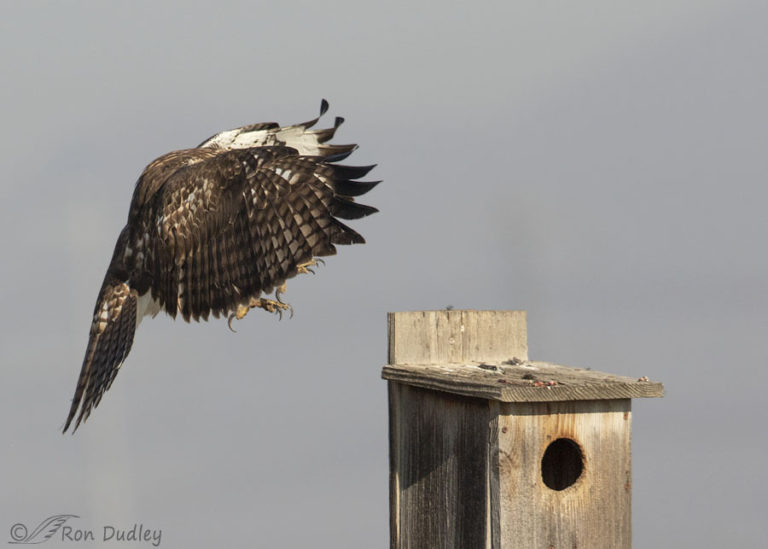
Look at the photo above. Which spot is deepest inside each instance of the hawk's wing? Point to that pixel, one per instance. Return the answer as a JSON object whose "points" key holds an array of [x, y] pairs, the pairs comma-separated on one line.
{"points": [[110, 340], [287, 212], [298, 136]]}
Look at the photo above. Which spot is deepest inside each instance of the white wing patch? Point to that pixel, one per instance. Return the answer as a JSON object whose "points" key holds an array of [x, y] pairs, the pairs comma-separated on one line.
{"points": [[298, 136], [146, 306]]}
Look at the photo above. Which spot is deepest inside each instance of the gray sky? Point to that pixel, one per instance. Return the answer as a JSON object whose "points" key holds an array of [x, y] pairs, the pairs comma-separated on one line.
{"points": [[600, 164]]}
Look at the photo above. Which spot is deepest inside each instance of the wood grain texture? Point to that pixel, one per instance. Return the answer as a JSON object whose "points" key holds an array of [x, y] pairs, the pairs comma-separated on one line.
{"points": [[456, 336], [523, 382], [439, 469], [484, 354], [595, 512], [470, 421]]}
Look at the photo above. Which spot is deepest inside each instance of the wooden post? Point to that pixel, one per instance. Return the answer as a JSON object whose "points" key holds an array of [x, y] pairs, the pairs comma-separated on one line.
{"points": [[489, 449]]}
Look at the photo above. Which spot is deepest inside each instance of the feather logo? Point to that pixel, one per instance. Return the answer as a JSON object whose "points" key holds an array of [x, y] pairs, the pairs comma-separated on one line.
{"points": [[42, 533]]}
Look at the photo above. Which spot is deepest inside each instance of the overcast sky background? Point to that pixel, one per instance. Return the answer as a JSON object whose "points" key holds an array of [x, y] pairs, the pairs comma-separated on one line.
{"points": [[599, 164]]}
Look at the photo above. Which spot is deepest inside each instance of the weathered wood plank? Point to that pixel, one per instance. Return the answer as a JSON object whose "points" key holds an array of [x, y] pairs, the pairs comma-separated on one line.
{"points": [[593, 512], [394, 463], [494, 487], [522, 382], [471, 421], [443, 337], [439, 465]]}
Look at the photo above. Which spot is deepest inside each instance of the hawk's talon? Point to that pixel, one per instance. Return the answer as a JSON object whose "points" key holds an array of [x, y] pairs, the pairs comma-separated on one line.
{"points": [[280, 311], [229, 323], [304, 268], [239, 314], [279, 291], [269, 305]]}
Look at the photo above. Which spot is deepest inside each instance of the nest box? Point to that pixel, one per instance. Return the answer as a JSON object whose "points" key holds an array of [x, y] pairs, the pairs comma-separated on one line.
{"points": [[490, 449]]}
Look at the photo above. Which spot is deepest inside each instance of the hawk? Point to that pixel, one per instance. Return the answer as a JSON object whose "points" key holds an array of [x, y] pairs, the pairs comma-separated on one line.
{"points": [[213, 229]]}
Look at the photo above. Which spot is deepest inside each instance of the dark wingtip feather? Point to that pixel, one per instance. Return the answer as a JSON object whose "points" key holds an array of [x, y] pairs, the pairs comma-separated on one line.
{"points": [[345, 234], [69, 421], [345, 187], [334, 153], [325, 134], [351, 172], [338, 122], [349, 238], [336, 157], [310, 123], [346, 209]]}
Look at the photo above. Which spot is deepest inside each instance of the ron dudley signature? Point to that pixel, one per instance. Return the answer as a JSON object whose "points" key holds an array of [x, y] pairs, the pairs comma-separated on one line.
{"points": [[55, 527]]}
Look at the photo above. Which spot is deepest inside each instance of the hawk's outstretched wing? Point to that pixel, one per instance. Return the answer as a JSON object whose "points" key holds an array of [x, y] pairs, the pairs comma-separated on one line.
{"points": [[211, 228], [112, 329], [288, 213]]}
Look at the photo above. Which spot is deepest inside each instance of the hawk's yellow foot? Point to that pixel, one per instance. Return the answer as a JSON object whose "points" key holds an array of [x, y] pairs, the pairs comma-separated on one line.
{"points": [[278, 292], [269, 305], [304, 268]]}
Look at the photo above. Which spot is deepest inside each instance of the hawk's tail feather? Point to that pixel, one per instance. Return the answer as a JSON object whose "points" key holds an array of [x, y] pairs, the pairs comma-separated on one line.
{"points": [[112, 330]]}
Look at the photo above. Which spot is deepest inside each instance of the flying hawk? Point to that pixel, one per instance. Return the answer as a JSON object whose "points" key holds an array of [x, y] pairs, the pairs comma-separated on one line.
{"points": [[212, 229]]}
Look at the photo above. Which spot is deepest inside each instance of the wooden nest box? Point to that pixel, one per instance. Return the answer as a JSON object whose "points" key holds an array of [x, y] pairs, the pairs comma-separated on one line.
{"points": [[491, 450]]}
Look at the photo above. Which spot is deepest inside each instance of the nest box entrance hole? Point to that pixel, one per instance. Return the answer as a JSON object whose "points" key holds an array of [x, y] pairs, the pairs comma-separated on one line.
{"points": [[562, 464]]}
